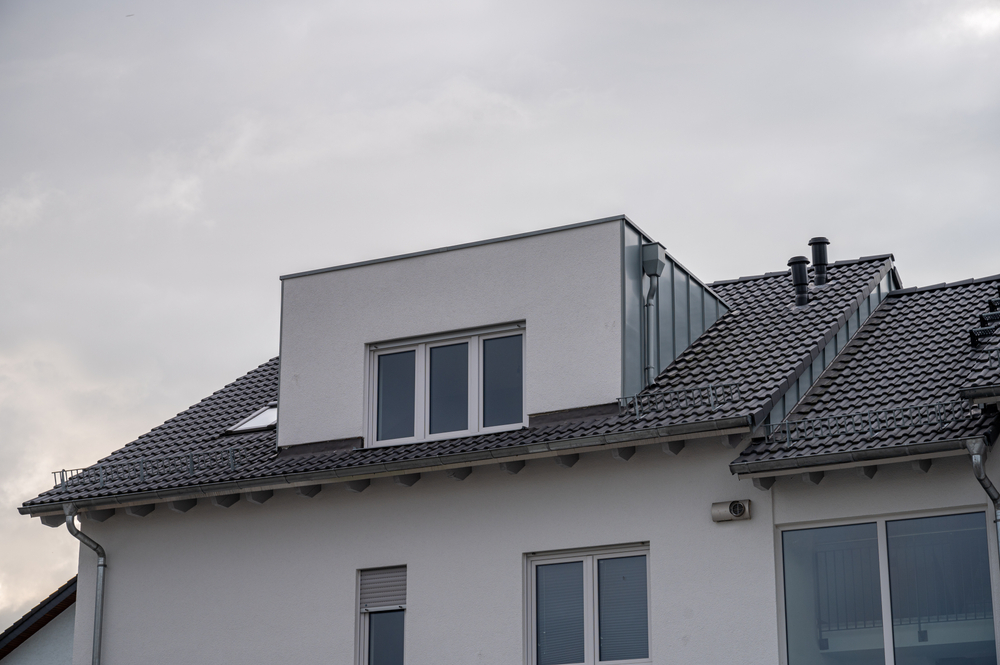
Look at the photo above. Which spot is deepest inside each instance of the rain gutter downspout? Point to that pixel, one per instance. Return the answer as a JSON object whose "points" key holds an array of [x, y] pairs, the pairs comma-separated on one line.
{"points": [[654, 260], [977, 450], [102, 564]]}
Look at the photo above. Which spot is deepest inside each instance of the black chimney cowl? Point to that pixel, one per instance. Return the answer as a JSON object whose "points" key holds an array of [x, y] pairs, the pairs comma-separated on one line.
{"points": [[800, 279], [820, 260]]}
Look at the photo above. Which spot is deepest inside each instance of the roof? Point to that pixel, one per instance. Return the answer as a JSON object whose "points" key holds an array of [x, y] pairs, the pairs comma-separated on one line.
{"points": [[37, 617], [756, 349], [894, 389]]}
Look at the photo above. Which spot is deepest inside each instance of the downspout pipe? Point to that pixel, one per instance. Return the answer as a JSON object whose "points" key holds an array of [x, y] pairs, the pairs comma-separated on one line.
{"points": [[977, 451], [102, 564], [654, 260]]}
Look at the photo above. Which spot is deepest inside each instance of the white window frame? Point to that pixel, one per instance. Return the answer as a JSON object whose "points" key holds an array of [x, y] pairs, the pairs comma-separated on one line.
{"points": [[421, 412], [883, 563], [589, 557]]}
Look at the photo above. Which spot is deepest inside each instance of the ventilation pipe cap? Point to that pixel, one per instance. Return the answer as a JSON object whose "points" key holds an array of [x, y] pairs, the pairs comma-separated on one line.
{"points": [[654, 259], [820, 259], [800, 279]]}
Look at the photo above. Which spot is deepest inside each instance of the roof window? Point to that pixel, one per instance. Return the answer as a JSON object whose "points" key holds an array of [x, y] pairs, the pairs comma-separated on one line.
{"points": [[264, 418]]}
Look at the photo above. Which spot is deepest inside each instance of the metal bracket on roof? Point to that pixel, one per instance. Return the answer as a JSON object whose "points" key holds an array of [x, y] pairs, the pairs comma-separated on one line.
{"points": [[712, 396], [871, 422]]}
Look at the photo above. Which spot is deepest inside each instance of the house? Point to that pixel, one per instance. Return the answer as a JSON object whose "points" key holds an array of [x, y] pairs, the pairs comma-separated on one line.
{"points": [[43, 636], [563, 447]]}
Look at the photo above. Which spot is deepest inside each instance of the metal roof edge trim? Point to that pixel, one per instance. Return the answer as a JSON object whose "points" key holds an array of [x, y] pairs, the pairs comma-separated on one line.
{"points": [[791, 465], [649, 436], [944, 285], [972, 392], [475, 243]]}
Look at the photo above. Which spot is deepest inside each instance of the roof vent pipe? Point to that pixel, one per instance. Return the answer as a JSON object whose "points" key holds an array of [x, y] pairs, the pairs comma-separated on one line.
{"points": [[800, 279], [820, 260], [654, 259]]}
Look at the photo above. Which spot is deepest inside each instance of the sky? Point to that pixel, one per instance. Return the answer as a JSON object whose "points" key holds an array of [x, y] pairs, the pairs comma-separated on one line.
{"points": [[162, 163]]}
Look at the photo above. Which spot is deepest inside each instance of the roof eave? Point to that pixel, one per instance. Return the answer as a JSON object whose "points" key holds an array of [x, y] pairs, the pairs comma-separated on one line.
{"points": [[664, 434]]}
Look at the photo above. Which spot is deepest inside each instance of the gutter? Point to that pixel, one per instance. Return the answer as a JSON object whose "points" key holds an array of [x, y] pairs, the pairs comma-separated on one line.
{"points": [[697, 430], [977, 452], [981, 394], [102, 564], [791, 465]]}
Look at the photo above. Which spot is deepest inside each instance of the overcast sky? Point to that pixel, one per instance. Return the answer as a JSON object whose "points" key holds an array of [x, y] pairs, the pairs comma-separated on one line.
{"points": [[161, 163]]}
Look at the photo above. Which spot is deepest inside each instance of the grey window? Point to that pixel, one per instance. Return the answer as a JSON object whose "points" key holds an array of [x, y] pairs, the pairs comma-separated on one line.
{"points": [[939, 606], [939, 579], [382, 601], [446, 385], [590, 608], [396, 387], [502, 381], [449, 388], [833, 603]]}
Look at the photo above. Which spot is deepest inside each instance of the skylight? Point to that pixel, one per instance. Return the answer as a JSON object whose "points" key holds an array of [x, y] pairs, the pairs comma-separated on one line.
{"points": [[261, 419]]}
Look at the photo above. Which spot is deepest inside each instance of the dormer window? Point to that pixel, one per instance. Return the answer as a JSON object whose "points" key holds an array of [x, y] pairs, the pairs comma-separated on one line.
{"points": [[264, 418], [447, 386]]}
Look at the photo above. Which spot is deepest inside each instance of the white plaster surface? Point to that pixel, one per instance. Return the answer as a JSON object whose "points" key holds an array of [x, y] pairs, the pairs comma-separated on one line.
{"points": [[52, 645], [565, 285], [276, 582]]}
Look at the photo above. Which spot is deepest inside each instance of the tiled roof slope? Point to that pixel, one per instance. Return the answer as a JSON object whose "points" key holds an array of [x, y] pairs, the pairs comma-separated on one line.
{"points": [[766, 342], [914, 350], [762, 344], [37, 618]]}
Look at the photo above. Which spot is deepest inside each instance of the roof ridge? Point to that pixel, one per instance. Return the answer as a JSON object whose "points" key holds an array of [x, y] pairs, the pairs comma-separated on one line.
{"points": [[944, 285], [844, 262]]}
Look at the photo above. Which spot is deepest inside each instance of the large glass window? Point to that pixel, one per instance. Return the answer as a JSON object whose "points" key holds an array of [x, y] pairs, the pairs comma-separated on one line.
{"points": [[590, 608], [940, 608], [939, 578], [833, 604], [447, 386]]}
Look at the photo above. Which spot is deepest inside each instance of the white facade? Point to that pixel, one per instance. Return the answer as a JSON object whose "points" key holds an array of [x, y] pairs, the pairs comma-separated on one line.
{"points": [[277, 582], [566, 286], [52, 645]]}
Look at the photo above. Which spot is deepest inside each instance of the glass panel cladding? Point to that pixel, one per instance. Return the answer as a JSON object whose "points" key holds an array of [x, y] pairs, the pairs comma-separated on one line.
{"points": [[633, 301], [682, 335], [696, 308], [449, 388], [841, 338], [873, 300], [503, 384], [833, 603], [939, 580], [817, 366], [396, 376], [559, 613], [385, 638], [622, 608], [666, 314]]}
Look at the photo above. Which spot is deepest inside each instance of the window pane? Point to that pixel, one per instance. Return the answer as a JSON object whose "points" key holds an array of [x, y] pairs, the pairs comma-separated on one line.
{"points": [[502, 382], [939, 578], [385, 638], [559, 590], [449, 388], [622, 606], [395, 395], [833, 603]]}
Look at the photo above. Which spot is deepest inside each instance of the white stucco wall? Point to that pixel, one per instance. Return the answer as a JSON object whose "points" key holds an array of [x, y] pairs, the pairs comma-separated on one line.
{"points": [[52, 645], [565, 285], [276, 583]]}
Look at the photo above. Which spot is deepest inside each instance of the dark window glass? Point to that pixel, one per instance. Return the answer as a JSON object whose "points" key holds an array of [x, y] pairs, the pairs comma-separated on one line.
{"points": [[559, 613], [396, 376], [502, 381], [939, 580], [385, 638], [833, 602], [449, 388], [622, 606]]}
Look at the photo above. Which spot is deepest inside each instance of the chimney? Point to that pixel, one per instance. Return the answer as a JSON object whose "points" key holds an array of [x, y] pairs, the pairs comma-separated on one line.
{"points": [[820, 260], [800, 279]]}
